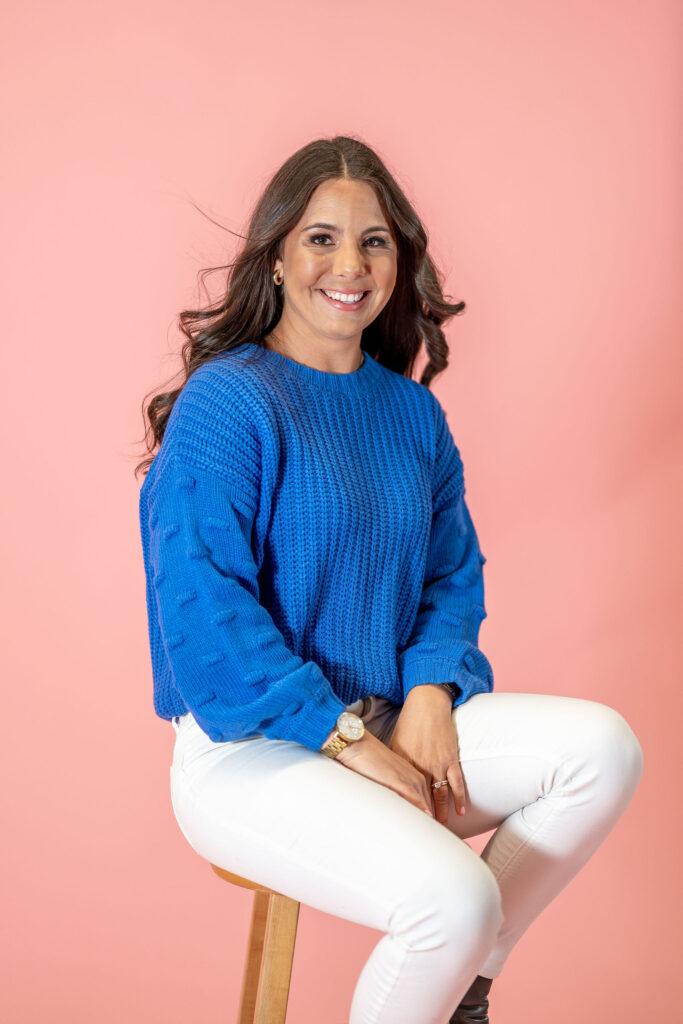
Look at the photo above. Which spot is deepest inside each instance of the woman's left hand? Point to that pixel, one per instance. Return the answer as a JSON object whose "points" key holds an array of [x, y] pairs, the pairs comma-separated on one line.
{"points": [[425, 735]]}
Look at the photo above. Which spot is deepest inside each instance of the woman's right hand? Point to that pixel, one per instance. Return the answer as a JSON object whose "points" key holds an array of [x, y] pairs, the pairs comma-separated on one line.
{"points": [[372, 758]]}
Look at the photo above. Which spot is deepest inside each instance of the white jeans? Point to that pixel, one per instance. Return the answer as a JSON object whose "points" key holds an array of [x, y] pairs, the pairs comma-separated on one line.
{"points": [[551, 774]]}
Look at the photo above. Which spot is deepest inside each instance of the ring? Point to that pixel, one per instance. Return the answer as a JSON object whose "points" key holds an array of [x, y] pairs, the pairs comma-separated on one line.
{"points": [[435, 785]]}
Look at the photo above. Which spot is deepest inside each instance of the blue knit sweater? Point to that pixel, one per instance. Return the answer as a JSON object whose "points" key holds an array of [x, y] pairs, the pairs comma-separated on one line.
{"points": [[306, 543]]}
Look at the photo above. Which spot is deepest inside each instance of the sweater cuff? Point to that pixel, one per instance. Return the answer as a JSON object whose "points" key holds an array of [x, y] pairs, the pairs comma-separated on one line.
{"points": [[471, 675], [312, 724]]}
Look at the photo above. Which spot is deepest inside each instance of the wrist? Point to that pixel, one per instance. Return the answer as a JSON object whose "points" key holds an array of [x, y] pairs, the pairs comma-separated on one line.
{"points": [[328, 738], [421, 688], [433, 693]]}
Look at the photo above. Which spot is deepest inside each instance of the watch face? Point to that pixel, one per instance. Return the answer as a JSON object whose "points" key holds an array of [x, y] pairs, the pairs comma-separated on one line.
{"points": [[350, 726]]}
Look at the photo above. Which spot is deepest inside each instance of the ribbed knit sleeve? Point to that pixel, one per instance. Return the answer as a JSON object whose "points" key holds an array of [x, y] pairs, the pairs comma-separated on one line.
{"points": [[229, 662], [443, 646]]}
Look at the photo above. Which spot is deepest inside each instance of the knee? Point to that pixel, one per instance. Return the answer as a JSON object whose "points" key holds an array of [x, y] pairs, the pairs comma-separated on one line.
{"points": [[456, 902], [476, 902], [612, 745]]}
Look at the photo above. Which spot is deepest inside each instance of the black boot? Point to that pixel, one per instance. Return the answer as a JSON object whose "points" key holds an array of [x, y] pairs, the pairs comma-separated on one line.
{"points": [[474, 1005]]}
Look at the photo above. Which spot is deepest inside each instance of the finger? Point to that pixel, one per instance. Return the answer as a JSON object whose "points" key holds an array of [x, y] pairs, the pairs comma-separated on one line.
{"points": [[426, 793], [440, 797], [457, 784]]}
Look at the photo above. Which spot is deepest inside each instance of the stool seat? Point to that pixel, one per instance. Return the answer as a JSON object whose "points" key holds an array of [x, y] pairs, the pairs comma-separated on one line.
{"points": [[270, 952]]}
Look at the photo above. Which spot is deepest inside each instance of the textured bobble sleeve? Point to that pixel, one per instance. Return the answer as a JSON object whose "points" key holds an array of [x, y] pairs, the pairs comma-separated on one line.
{"points": [[229, 661], [443, 646]]}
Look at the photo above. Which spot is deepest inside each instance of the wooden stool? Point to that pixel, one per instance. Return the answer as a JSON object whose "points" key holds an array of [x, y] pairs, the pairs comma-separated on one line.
{"points": [[270, 954]]}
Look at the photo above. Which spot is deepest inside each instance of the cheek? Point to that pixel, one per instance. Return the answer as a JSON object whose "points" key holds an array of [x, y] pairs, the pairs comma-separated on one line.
{"points": [[308, 271], [385, 274]]}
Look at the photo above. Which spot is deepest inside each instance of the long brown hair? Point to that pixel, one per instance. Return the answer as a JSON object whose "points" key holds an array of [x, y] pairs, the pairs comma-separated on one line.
{"points": [[252, 305]]}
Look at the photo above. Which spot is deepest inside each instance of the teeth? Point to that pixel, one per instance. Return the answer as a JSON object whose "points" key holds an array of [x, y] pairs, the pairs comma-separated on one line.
{"points": [[340, 297]]}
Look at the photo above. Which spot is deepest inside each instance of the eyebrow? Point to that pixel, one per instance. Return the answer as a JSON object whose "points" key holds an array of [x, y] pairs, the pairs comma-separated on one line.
{"points": [[333, 227]]}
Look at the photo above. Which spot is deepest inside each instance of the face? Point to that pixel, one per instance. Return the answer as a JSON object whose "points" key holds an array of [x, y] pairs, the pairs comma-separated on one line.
{"points": [[342, 244]]}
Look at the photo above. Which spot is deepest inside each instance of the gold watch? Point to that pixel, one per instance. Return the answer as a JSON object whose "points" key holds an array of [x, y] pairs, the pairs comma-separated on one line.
{"points": [[349, 729]]}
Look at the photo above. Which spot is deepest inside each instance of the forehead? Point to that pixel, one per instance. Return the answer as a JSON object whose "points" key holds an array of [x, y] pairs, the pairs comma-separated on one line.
{"points": [[343, 198]]}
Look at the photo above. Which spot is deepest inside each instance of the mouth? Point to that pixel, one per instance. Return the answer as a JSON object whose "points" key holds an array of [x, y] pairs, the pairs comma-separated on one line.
{"points": [[342, 303]]}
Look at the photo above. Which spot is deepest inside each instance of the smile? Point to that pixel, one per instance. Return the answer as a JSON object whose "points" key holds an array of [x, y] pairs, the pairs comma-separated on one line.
{"points": [[342, 300]]}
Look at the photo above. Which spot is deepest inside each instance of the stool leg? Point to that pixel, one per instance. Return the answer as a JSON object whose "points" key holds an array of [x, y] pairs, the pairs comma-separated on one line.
{"points": [[252, 968], [270, 955]]}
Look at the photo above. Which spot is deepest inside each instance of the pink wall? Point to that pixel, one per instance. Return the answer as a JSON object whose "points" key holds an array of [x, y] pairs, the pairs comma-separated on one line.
{"points": [[542, 145]]}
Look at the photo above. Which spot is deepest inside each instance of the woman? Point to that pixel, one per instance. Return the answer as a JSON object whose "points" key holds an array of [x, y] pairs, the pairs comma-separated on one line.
{"points": [[315, 592]]}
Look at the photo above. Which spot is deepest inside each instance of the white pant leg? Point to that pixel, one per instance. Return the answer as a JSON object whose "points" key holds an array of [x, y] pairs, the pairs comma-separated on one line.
{"points": [[552, 775], [307, 826]]}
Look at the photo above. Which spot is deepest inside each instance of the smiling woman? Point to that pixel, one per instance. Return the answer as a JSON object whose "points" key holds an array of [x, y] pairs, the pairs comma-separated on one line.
{"points": [[315, 590]]}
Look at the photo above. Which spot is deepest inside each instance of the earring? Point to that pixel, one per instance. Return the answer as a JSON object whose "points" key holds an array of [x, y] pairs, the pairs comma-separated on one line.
{"points": [[277, 276]]}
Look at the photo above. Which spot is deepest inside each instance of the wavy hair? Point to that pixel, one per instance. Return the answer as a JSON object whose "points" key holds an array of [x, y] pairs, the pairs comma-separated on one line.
{"points": [[252, 305]]}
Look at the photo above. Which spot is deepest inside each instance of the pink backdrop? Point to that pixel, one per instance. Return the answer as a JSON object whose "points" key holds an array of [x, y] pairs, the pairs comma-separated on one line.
{"points": [[542, 146]]}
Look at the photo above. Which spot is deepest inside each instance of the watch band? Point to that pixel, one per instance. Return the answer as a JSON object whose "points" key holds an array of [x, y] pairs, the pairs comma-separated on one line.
{"points": [[336, 744]]}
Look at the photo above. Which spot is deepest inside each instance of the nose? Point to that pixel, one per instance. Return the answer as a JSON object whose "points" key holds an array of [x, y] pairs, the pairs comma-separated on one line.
{"points": [[349, 259]]}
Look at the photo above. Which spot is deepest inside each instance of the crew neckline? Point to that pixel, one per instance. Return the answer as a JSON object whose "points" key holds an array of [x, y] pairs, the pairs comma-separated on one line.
{"points": [[354, 382]]}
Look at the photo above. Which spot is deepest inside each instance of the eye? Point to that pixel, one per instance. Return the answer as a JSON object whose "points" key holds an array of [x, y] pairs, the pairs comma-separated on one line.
{"points": [[373, 238]]}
